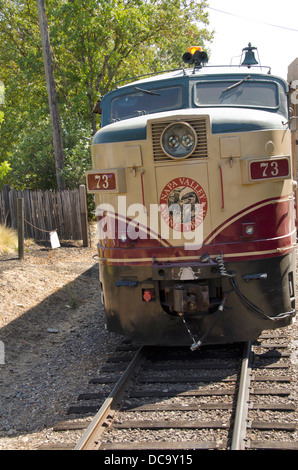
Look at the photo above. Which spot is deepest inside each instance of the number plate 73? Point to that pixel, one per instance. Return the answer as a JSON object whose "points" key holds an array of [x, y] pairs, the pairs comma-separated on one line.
{"points": [[99, 181], [269, 169]]}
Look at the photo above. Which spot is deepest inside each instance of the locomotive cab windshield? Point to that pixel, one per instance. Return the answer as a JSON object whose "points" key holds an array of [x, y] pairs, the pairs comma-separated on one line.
{"points": [[256, 93], [188, 91], [145, 101]]}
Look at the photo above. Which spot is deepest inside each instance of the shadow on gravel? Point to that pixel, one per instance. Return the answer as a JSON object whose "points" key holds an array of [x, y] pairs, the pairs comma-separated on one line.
{"points": [[48, 353]]}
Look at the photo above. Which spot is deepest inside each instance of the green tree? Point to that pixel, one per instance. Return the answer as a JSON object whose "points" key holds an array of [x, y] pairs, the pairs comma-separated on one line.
{"points": [[95, 44], [21, 71], [4, 166], [106, 41]]}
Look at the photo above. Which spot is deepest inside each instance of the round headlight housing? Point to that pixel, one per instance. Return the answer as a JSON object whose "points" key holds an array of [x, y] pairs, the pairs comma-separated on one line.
{"points": [[178, 140]]}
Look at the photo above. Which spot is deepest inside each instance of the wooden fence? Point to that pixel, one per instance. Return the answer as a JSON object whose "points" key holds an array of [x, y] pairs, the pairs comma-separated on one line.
{"points": [[45, 211]]}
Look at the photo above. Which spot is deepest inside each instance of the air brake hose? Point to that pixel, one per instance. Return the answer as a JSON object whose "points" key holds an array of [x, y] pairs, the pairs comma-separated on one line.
{"points": [[256, 311], [199, 343], [250, 307]]}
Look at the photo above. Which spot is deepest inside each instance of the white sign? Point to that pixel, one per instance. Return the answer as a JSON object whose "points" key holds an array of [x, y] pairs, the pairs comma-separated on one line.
{"points": [[54, 239]]}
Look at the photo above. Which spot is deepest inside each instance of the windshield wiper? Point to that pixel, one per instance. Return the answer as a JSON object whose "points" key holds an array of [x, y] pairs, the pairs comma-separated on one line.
{"points": [[149, 92], [236, 84]]}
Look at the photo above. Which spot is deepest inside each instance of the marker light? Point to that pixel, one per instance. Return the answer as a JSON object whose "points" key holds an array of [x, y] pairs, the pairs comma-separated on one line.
{"points": [[248, 229], [193, 49], [123, 237], [195, 55]]}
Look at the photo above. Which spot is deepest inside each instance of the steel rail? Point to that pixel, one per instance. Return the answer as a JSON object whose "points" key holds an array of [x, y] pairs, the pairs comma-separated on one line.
{"points": [[89, 439], [239, 430]]}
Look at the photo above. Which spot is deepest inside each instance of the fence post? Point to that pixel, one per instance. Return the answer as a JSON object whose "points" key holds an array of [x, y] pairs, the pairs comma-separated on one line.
{"points": [[20, 208], [84, 215]]}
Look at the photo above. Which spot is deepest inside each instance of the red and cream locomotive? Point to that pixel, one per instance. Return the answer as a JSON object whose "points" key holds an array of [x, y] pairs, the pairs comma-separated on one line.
{"points": [[195, 197]]}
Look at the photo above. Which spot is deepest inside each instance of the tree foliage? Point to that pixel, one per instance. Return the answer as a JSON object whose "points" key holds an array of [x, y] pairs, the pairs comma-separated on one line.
{"points": [[94, 44]]}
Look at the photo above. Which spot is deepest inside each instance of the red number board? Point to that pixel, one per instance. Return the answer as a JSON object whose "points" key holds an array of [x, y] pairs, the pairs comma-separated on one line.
{"points": [[269, 169], [101, 181]]}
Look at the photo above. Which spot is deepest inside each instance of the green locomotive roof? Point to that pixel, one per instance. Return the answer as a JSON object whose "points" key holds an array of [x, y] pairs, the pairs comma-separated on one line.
{"points": [[237, 99]]}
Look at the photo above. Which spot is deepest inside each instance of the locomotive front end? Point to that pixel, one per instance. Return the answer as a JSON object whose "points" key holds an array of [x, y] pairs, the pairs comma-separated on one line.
{"points": [[194, 189]]}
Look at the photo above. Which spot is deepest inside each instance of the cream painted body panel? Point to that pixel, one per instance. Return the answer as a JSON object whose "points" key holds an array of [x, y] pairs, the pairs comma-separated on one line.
{"points": [[145, 179]]}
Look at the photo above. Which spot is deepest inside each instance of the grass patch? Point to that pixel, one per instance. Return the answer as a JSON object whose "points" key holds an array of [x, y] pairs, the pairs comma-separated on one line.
{"points": [[8, 240]]}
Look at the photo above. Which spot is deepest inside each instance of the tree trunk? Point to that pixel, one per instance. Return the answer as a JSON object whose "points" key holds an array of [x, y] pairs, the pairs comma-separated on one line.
{"points": [[52, 94]]}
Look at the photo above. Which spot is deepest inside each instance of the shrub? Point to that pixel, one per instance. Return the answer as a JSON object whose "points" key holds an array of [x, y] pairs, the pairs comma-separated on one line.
{"points": [[8, 240]]}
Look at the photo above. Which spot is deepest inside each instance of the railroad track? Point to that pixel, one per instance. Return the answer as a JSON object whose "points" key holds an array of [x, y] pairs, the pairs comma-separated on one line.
{"points": [[229, 398]]}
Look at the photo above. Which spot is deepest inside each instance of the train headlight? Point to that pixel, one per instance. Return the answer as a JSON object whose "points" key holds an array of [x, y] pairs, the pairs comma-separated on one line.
{"points": [[178, 140]]}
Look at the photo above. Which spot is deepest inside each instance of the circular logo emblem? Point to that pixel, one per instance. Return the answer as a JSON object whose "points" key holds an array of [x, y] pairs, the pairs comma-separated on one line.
{"points": [[183, 204]]}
